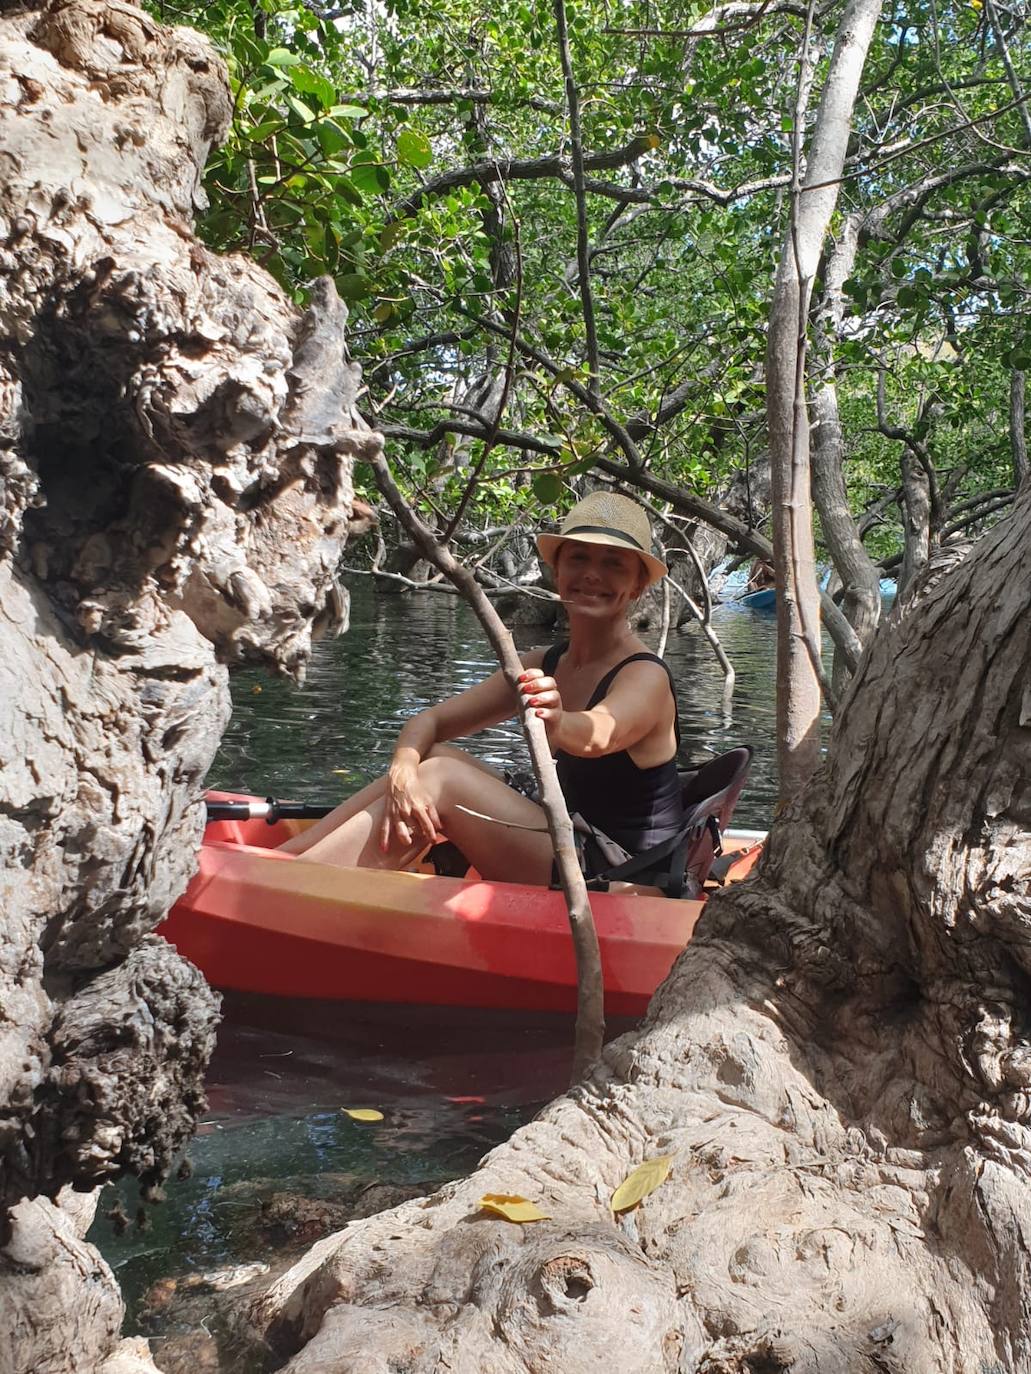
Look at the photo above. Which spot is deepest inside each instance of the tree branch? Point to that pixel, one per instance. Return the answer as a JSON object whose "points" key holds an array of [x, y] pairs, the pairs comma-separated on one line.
{"points": [[519, 169], [582, 245], [590, 1016], [426, 438], [417, 96], [1018, 434]]}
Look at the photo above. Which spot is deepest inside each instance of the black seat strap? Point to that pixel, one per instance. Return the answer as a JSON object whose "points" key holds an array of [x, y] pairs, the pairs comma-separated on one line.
{"points": [[674, 847]]}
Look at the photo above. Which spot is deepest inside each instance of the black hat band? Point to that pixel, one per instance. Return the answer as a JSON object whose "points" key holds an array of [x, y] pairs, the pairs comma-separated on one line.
{"points": [[602, 529]]}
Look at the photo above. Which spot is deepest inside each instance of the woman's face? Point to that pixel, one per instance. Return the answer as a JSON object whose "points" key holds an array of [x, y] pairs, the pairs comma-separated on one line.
{"points": [[598, 579]]}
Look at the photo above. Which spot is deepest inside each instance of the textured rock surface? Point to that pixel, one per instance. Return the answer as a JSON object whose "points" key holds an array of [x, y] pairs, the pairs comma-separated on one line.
{"points": [[176, 442], [839, 1064]]}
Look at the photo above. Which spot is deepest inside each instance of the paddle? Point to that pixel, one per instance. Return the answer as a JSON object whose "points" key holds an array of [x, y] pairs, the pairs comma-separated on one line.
{"points": [[269, 810]]}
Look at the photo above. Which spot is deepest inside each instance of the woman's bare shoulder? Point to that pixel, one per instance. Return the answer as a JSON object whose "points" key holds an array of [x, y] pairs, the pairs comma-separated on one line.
{"points": [[533, 658]]}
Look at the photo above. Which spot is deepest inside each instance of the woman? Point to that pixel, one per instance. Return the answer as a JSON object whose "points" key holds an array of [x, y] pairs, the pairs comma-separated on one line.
{"points": [[607, 705]]}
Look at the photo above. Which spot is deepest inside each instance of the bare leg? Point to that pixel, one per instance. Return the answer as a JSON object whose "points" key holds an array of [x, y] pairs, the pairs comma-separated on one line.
{"points": [[367, 798], [361, 801], [498, 851]]}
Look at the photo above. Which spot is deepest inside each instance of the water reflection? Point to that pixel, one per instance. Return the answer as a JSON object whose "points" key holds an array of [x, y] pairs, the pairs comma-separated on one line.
{"points": [[450, 1084], [402, 654]]}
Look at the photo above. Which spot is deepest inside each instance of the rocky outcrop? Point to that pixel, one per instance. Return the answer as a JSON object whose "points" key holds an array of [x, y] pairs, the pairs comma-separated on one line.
{"points": [[176, 442]]}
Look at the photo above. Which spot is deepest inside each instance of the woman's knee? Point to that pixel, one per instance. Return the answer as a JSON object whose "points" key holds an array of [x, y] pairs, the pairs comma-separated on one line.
{"points": [[451, 776], [439, 771]]}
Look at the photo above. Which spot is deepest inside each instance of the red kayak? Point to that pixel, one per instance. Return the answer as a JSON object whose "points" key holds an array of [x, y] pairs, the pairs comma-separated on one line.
{"points": [[256, 920]]}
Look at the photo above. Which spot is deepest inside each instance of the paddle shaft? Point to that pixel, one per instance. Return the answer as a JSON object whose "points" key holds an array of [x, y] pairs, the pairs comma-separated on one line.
{"points": [[269, 810]]}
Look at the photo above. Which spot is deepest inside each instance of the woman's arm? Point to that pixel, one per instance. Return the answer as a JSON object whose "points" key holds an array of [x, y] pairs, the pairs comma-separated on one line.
{"points": [[636, 704], [409, 809], [486, 704]]}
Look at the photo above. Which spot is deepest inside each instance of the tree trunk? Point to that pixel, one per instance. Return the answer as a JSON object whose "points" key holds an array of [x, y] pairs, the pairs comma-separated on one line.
{"points": [[861, 597], [798, 640], [175, 451], [1018, 436], [860, 581], [839, 1066], [916, 521]]}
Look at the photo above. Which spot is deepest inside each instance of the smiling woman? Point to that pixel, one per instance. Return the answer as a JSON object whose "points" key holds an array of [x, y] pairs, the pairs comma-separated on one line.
{"points": [[608, 707]]}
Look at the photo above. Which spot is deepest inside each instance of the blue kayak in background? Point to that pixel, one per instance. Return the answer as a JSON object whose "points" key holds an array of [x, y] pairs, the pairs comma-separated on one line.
{"points": [[765, 599]]}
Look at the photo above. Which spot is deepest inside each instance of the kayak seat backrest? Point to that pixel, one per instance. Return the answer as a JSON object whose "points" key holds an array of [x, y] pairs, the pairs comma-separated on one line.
{"points": [[710, 794], [680, 864]]}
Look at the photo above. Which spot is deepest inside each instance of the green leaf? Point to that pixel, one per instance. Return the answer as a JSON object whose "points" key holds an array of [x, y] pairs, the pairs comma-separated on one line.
{"points": [[370, 177], [332, 139], [311, 83], [282, 57], [414, 148], [300, 109], [348, 192], [390, 235], [352, 286], [270, 89], [548, 487], [347, 112]]}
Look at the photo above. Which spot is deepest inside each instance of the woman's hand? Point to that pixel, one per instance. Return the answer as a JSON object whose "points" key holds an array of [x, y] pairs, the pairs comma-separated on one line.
{"points": [[410, 814], [540, 695]]}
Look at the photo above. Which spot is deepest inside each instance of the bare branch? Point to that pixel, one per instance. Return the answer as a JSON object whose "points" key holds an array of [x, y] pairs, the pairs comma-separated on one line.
{"points": [[577, 156], [416, 96], [715, 30], [519, 169], [426, 438], [1011, 71]]}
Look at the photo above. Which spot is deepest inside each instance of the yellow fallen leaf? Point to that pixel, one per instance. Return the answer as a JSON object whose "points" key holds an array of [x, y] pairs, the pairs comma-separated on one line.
{"points": [[362, 1113], [512, 1207], [644, 1180]]}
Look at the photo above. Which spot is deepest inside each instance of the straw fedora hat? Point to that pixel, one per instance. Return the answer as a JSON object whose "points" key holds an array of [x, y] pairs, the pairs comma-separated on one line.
{"points": [[604, 517]]}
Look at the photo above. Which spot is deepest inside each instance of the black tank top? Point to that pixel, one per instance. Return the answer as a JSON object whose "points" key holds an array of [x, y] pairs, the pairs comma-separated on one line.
{"points": [[636, 807]]}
